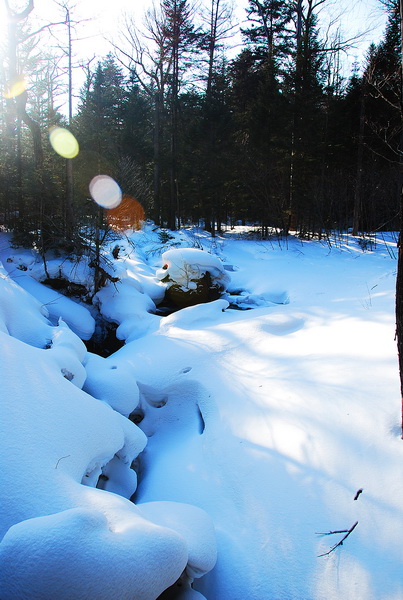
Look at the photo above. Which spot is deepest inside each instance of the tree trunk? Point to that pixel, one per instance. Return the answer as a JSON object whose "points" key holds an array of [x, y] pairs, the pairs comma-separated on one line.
{"points": [[357, 216], [399, 281], [158, 103], [69, 212]]}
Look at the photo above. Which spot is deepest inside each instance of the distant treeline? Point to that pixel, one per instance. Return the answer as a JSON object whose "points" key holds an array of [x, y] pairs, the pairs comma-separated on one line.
{"points": [[274, 136]]}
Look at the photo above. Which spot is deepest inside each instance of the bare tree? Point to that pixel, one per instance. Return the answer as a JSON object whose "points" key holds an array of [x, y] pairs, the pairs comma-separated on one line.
{"points": [[218, 21], [146, 54], [14, 19]]}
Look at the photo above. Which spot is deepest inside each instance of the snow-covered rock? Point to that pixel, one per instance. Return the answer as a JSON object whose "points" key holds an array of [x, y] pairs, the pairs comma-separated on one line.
{"points": [[192, 276]]}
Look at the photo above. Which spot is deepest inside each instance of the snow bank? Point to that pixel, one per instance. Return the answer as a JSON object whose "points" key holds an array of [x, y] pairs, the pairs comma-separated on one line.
{"points": [[194, 316], [126, 304], [77, 554], [65, 539], [77, 316], [21, 315], [65, 431], [115, 385], [25, 268], [194, 525], [77, 271], [269, 420]]}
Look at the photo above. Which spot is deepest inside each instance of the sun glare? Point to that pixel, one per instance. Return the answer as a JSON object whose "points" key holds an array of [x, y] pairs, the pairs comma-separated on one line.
{"points": [[16, 87]]}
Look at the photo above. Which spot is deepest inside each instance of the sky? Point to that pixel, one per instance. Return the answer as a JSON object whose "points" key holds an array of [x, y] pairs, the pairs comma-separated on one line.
{"points": [[101, 20], [357, 16]]}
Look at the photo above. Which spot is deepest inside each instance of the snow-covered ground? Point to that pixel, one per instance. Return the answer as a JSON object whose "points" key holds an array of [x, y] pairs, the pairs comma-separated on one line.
{"points": [[258, 431]]}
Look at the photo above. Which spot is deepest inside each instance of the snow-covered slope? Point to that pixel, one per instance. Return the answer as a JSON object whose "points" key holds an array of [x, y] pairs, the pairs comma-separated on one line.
{"points": [[281, 423]]}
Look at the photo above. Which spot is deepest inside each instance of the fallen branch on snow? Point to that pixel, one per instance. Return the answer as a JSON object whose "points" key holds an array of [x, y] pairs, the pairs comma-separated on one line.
{"points": [[340, 543]]}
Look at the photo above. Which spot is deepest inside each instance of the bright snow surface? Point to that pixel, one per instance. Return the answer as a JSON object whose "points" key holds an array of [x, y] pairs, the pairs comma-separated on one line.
{"points": [[261, 425]]}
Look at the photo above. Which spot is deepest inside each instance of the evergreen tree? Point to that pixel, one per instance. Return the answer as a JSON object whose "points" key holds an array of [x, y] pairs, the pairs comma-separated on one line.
{"points": [[205, 151], [383, 126], [262, 113], [269, 31], [98, 127], [37, 214], [305, 83], [99, 118], [182, 39]]}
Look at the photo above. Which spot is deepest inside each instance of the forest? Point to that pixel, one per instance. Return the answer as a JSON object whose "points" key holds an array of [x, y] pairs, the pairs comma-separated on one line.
{"points": [[201, 305], [274, 136]]}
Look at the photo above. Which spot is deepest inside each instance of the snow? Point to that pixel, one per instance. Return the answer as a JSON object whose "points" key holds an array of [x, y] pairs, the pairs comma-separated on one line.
{"points": [[76, 554], [55, 305], [115, 386], [255, 428], [184, 265], [34, 329]]}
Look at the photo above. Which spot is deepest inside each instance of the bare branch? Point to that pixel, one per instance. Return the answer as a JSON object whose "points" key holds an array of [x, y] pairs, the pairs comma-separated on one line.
{"points": [[16, 17], [340, 543]]}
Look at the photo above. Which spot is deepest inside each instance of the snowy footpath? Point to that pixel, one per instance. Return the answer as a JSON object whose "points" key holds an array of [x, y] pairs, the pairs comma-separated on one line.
{"points": [[258, 440]]}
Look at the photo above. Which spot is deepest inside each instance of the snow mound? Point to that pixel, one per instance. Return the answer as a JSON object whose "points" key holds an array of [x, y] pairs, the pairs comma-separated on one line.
{"points": [[194, 525], [125, 304], [76, 271], [137, 270], [21, 316], [56, 435], [68, 353], [77, 554], [66, 539], [112, 383], [201, 314], [75, 315]]}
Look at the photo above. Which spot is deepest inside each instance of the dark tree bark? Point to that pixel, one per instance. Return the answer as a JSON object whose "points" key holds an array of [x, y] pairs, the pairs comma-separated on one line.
{"points": [[399, 281], [357, 215], [69, 212]]}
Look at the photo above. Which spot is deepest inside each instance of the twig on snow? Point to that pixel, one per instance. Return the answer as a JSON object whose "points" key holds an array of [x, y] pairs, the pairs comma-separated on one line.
{"points": [[61, 458], [340, 543]]}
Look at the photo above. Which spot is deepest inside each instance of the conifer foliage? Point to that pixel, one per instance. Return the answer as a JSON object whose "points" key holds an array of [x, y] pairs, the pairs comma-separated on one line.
{"points": [[195, 137]]}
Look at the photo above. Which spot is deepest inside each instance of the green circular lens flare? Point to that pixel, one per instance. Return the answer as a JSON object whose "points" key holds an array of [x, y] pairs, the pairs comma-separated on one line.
{"points": [[105, 191], [63, 142]]}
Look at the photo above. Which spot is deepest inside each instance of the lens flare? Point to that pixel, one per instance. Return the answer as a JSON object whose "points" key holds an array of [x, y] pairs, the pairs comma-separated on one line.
{"points": [[105, 191], [16, 87], [128, 215], [63, 142]]}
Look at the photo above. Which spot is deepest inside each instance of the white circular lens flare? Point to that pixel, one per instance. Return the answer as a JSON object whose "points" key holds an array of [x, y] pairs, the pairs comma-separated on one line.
{"points": [[105, 191]]}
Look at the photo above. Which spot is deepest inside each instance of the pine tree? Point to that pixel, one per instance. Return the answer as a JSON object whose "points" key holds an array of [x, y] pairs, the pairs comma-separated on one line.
{"points": [[305, 84], [269, 31], [182, 39], [261, 111], [383, 126]]}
